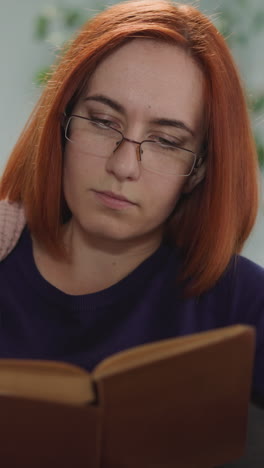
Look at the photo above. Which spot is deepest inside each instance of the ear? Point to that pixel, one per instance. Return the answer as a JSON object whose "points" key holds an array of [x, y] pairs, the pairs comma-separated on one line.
{"points": [[63, 119], [196, 177]]}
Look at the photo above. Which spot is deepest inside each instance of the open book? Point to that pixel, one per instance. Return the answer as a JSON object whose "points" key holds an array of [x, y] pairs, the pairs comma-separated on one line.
{"points": [[181, 402]]}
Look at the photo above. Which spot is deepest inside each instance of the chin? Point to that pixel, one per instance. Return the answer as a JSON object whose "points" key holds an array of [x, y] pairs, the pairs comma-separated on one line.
{"points": [[109, 231]]}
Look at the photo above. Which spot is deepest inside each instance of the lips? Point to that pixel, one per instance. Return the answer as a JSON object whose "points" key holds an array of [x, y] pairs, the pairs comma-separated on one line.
{"points": [[113, 201], [116, 196]]}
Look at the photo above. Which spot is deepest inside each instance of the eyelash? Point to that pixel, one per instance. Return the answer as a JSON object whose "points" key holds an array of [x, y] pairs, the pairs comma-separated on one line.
{"points": [[168, 143], [107, 123]]}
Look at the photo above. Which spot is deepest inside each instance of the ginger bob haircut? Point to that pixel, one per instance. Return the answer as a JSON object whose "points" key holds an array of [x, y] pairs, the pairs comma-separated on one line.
{"points": [[211, 223]]}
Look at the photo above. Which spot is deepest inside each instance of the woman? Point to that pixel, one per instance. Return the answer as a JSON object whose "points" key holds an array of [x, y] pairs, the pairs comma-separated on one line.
{"points": [[130, 193]]}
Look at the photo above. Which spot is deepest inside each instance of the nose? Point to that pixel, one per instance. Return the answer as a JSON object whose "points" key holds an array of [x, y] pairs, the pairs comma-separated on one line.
{"points": [[124, 161]]}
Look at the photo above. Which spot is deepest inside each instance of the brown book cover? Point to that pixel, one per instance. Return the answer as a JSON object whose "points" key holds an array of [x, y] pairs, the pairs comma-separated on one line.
{"points": [[180, 402]]}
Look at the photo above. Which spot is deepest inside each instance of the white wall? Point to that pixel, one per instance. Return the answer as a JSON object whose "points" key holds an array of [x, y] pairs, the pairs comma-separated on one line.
{"points": [[21, 57]]}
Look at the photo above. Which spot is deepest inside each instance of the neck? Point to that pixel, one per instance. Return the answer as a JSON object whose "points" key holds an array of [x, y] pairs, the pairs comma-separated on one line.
{"points": [[94, 263]]}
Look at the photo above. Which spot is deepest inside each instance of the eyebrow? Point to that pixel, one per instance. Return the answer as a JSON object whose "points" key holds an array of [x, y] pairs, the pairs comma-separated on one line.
{"points": [[105, 100], [158, 121]]}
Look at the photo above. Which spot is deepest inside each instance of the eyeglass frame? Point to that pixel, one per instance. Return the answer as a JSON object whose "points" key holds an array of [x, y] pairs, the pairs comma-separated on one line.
{"points": [[197, 161]]}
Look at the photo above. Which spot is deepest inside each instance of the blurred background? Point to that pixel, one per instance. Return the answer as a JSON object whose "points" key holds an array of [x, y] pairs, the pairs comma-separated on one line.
{"points": [[32, 32]]}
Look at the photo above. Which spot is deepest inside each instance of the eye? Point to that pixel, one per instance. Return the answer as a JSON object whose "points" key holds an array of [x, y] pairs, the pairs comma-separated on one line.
{"points": [[102, 123], [165, 143]]}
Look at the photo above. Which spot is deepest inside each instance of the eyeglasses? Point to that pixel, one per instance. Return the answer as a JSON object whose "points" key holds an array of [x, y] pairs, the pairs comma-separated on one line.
{"points": [[95, 137]]}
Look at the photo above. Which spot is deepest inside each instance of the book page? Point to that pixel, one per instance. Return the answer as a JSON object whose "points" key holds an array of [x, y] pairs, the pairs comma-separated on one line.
{"points": [[45, 380], [147, 353]]}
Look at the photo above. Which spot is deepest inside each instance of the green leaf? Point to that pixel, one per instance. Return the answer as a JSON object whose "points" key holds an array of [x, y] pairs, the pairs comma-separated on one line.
{"points": [[226, 25], [42, 27], [258, 22], [258, 103], [72, 18], [260, 150], [242, 3], [42, 76], [241, 38]]}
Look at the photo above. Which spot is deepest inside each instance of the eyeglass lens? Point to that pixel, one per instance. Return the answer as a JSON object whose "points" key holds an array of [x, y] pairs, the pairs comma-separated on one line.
{"points": [[94, 138]]}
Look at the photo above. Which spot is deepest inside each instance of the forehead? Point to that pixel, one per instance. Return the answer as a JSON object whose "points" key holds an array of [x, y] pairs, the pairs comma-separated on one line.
{"points": [[146, 74]]}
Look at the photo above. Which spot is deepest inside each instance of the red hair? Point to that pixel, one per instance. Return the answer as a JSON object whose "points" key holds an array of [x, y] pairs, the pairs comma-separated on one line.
{"points": [[212, 223]]}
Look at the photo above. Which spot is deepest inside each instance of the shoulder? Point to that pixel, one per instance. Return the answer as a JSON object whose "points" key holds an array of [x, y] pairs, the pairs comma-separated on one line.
{"points": [[248, 306], [245, 266], [238, 295], [243, 280], [246, 275], [12, 223]]}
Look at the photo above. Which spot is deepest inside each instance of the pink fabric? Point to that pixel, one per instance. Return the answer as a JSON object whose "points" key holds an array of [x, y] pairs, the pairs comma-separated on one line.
{"points": [[12, 222]]}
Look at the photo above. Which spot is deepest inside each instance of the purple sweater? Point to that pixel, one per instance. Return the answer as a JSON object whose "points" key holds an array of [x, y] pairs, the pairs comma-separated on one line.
{"points": [[39, 321]]}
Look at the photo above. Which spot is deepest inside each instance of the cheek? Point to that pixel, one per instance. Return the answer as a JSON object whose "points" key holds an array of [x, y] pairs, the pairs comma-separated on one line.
{"points": [[75, 181], [163, 194], [78, 172], [72, 177]]}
